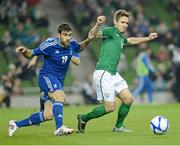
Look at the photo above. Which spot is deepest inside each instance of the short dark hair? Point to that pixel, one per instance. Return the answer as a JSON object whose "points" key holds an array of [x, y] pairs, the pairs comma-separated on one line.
{"points": [[64, 27], [120, 13]]}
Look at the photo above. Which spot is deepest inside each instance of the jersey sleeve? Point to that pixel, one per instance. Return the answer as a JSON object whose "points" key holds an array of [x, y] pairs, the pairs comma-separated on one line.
{"points": [[76, 46], [75, 54], [107, 32], [125, 40], [38, 51], [43, 47]]}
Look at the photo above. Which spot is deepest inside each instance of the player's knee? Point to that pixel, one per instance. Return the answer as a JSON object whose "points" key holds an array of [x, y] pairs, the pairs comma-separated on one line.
{"points": [[59, 99], [57, 96], [48, 116], [128, 100], [110, 108]]}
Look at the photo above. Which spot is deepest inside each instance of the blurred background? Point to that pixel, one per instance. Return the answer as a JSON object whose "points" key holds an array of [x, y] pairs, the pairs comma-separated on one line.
{"points": [[29, 22]]}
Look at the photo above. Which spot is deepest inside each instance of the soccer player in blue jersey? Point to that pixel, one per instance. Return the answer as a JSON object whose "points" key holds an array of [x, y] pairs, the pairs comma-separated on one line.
{"points": [[57, 53], [143, 69], [33, 62]]}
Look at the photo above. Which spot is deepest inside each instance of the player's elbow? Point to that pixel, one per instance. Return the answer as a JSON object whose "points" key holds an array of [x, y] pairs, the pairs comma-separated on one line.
{"points": [[48, 117], [77, 62]]}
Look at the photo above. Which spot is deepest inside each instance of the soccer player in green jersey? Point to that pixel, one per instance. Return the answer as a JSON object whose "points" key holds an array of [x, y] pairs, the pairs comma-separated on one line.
{"points": [[108, 83]]}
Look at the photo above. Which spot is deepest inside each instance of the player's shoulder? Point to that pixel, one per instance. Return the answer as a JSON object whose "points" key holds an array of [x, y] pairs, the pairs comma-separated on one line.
{"points": [[73, 42], [108, 28], [51, 41], [108, 31]]}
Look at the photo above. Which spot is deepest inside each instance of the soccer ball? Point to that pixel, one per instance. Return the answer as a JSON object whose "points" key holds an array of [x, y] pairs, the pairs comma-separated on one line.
{"points": [[159, 125]]}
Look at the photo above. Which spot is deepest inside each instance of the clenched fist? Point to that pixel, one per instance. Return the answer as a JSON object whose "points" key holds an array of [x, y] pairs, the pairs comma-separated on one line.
{"points": [[20, 49], [153, 35], [101, 20]]}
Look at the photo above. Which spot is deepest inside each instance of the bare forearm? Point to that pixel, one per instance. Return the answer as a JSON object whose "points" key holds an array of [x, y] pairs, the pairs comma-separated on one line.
{"points": [[75, 60], [34, 59], [92, 32], [137, 40], [27, 53], [95, 29], [33, 62], [84, 44]]}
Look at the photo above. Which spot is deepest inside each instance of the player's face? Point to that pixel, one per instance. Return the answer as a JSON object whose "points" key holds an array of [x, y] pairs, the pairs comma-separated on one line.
{"points": [[122, 23], [65, 37]]}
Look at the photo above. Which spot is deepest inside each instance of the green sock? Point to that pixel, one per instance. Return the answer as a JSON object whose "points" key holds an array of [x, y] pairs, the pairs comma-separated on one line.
{"points": [[122, 113], [95, 113]]}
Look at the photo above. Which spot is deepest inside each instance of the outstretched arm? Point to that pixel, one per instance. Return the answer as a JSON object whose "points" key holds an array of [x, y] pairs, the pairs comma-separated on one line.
{"points": [[138, 40], [92, 32], [25, 51], [95, 30], [84, 43]]}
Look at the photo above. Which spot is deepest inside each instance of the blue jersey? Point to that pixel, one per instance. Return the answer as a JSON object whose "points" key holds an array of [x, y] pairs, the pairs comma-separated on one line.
{"points": [[56, 57]]}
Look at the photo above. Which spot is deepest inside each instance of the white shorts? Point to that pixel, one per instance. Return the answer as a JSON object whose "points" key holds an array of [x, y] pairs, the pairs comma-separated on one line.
{"points": [[107, 86]]}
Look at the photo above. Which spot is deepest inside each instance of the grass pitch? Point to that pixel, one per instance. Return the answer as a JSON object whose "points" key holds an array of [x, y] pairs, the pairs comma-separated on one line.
{"points": [[98, 131]]}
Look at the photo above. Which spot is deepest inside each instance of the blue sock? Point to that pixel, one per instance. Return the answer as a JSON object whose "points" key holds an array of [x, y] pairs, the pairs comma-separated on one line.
{"points": [[42, 104], [35, 118], [58, 113]]}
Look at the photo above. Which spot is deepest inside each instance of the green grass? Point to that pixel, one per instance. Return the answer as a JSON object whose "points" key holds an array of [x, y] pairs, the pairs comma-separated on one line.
{"points": [[98, 131]]}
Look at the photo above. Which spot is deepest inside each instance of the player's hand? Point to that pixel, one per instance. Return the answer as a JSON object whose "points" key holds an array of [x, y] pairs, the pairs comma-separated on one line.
{"points": [[20, 49], [32, 62], [153, 35], [90, 35], [101, 20]]}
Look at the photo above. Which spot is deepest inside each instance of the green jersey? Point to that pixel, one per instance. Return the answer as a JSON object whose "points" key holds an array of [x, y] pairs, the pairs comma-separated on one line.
{"points": [[112, 46]]}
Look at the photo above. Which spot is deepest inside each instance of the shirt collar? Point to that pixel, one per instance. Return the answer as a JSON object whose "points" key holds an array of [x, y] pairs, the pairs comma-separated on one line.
{"points": [[117, 31]]}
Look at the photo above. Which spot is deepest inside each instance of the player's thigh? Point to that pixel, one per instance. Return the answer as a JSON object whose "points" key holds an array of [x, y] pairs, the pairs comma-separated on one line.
{"points": [[52, 87], [49, 83], [118, 101], [103, 84], [48, 115], [126, 96], [57, 95]]}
